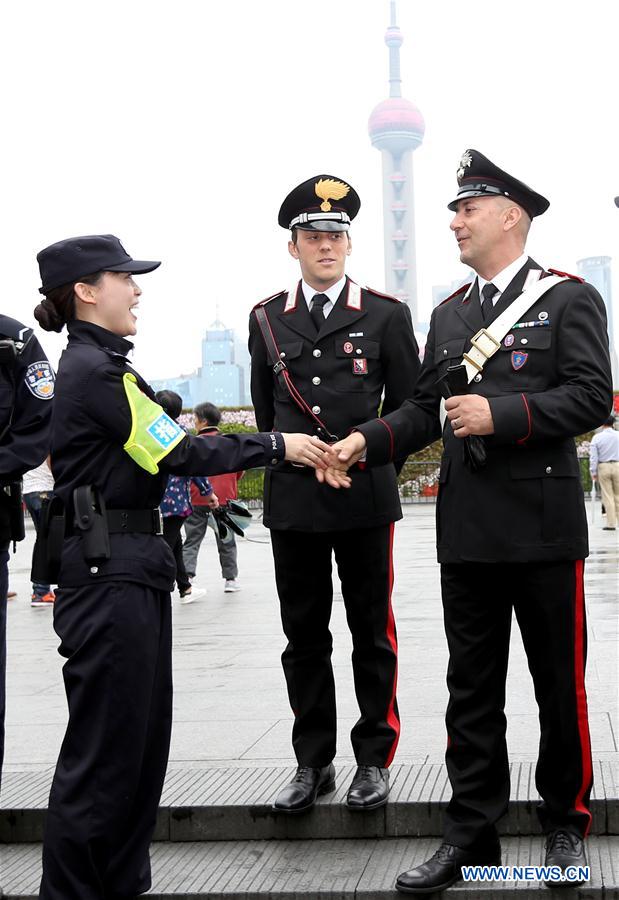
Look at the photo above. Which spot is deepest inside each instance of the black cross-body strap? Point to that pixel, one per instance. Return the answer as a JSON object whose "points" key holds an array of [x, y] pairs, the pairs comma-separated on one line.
{"points": [[280, 370]]}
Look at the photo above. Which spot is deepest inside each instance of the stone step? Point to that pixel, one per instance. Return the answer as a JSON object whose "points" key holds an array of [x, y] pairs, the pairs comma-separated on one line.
{"points": [[235, 804], [363, 869]]}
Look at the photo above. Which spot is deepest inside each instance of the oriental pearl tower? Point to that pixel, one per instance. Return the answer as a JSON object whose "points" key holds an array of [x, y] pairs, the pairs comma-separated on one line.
{"points": [[396, 128]]}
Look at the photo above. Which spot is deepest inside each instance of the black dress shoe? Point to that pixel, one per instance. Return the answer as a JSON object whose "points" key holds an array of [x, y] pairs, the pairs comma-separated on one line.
{"points": [[444, 868], [564, 848], [309, 783], [369, 789]]}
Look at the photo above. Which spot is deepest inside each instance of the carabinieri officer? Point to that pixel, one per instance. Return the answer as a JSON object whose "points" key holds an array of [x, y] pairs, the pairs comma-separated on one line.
{"points": [[511, 524], [343, 346], [112, 449]]}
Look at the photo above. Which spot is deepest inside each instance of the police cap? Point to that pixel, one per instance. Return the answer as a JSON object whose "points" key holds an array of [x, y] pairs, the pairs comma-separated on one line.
{"points": [[322, 203], [75, 258], [479, 177]]}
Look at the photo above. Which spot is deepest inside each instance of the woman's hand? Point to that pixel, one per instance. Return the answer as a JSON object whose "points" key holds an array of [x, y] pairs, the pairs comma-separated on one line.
{"points": [[306, 450]]}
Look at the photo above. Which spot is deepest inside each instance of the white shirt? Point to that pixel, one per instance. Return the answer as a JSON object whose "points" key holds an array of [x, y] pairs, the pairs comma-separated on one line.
{"points": [[38, 480], [502, 279], [604, 448], [332, 293]]}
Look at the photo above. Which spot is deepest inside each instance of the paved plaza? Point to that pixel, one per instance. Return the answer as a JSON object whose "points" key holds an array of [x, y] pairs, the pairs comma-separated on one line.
{"points": [[231, 707]]}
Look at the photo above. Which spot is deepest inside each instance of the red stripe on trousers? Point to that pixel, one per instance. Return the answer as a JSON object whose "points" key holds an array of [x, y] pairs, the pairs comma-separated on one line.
{"points": [[581, 693], [392, 719]]}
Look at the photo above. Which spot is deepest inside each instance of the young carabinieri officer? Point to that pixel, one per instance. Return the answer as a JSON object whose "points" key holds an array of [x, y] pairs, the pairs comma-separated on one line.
{"points": [[343, 346], [511, 526]]}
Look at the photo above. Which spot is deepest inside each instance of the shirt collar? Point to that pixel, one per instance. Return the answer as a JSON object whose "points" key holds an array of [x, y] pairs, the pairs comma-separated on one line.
{"points": [[503, 278], [94, 334], [332, 293]]}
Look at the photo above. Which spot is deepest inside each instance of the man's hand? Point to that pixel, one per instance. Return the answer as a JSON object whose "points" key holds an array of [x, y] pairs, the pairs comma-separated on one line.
{"points": [[306, 450], [342, 455], [469, 414], [212, 501]]}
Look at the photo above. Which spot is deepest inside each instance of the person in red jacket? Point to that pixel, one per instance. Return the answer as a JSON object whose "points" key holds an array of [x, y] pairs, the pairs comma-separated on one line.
{"points": [[207, 418]]}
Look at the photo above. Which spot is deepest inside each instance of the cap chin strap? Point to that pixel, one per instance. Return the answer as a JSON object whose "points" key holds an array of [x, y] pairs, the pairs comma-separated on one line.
{"points": [[487, 341], [305, 218]]}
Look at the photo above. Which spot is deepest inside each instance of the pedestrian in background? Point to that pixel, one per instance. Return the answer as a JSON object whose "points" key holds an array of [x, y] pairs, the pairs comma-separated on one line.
{"points": [[38, 486], [604, 467], [176, 505], [207, 418]]}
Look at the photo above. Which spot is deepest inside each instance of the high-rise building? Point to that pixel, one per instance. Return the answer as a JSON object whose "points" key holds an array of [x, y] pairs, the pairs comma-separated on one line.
{"points": [[396, 128], [222, 377], [597, 271]]}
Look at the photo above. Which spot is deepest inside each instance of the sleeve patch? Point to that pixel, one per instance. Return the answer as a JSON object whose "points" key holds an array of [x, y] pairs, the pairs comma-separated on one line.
{"points": [[164, 430], [40, 379]]}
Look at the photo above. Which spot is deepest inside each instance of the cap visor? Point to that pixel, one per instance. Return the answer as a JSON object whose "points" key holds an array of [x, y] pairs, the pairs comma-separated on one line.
{"points": [[135, 266], [325, 225]]}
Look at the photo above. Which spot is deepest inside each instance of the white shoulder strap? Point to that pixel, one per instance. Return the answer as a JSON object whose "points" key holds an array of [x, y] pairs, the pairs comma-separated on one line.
{"points": [[487, 341]]}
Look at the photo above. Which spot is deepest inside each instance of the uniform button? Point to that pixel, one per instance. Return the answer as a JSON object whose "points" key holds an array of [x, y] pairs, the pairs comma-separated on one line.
{"points": [[477, 377], [359, 351], [315, 380], [282, 354], [524, 340], [317, 353], [444, 352], [315, 410], [548, 470], [274, 461], [94, 570]]}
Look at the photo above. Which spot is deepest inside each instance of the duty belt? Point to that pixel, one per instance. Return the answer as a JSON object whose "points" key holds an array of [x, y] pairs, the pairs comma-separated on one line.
{"points": [[129, 521]]}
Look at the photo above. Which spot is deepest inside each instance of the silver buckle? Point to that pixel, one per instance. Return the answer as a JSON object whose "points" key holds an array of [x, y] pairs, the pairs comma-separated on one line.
{"points": [[158, 521]]}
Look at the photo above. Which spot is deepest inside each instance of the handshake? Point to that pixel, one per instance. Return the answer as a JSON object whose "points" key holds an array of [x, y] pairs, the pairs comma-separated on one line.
{"points": [[331, 461]]}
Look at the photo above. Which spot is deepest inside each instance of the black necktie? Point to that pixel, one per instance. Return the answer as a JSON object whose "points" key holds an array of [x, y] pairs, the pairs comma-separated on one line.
{"points": [[488, 292], [317, 311]]}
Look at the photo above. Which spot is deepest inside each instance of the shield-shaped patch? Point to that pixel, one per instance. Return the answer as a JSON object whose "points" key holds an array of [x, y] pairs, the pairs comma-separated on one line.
{"points": [[518, 359]]}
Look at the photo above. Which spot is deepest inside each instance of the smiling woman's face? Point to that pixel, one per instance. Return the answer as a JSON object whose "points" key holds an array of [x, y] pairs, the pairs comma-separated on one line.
{"points": [[110, 303]]}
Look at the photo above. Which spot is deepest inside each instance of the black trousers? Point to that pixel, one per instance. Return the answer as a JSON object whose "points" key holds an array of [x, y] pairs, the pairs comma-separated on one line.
{"points": [[172, 533], [303, 576], [4, 587], [108, 780], [548, 601]]}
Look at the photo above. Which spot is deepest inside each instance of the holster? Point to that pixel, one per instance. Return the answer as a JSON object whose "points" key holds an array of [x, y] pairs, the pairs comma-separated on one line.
{"points": [[47, 554], [15, 507], [91, 522], [454, 383]]}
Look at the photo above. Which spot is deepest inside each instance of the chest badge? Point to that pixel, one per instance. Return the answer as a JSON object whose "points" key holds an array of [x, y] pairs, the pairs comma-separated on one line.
{"points": [[518, 359], [543, 315], [509, 340], [348, 347], [360, 367], [40, 380]]}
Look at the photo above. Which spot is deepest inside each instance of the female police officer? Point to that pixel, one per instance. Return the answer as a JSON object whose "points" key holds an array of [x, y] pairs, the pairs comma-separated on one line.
{"points": [[112, 450]]}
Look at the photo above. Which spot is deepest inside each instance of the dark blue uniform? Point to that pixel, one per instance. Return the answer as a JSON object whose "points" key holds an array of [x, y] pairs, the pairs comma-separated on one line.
{"points": [[26, 389], [113, 620]]}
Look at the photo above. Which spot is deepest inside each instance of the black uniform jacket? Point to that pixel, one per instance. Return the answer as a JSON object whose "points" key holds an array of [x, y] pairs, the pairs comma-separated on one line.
{"points": [[91, 423], [547, 385], [26, 400], [342, 370]]}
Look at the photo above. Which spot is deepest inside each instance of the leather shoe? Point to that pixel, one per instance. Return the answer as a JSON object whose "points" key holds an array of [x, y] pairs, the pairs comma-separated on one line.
{"points": [[564, 848], [369, 789], [444, 868], [309, 783]]}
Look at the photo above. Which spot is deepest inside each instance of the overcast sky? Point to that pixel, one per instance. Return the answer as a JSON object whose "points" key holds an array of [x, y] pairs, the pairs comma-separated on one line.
{"points": [[180, 126]]}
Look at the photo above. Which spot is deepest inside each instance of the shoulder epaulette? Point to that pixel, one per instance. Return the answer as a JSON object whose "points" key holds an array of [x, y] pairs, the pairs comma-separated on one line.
{"points": [[457, 293], [14, 330], [381, 294], [268, 299], [567, 275]]}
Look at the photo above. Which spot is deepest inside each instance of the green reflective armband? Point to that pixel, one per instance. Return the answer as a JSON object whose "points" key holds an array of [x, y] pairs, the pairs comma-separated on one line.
{"points": [[153, 433]]}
